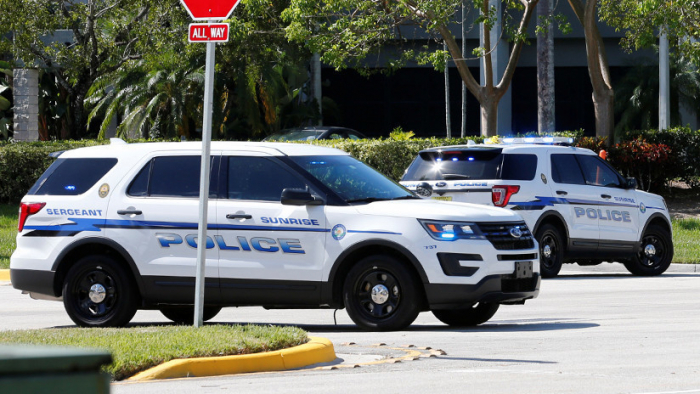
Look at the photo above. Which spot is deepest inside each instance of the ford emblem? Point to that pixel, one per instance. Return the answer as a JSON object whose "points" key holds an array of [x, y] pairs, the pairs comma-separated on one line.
{"points": [[515, 232], [441, 184]]}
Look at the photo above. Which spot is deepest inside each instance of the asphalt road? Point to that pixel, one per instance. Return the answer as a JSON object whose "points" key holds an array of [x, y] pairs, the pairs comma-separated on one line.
{"points": [[592, 330]]}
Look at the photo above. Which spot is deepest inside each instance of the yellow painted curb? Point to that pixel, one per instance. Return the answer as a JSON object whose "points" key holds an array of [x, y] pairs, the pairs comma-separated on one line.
{"points": [[317, 350], [5, 275]]}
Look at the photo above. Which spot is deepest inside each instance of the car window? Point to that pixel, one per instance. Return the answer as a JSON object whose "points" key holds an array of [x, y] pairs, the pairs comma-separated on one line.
{"points": [[351, 179], [519, 167], [71, 177], [168, 176], [455, 165], [565, 169], [259, 178], [354, 136], [598, 172]]}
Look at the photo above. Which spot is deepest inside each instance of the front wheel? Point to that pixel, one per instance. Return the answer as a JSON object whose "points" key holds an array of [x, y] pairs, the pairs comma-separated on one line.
{"points": [[184, 314], [381, 294], [477, 314], [97, 292], [655, 254], [551, 250]]}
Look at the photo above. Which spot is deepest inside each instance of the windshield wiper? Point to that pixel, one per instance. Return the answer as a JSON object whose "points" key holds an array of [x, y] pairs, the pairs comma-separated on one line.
{"points": [[448, 177], [368, 199], [408, 197]]}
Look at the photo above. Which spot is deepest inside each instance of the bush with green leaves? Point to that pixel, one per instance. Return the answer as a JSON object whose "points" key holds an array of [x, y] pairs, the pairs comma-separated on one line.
{"points": [[685, 147], [22, 163], [653, 157]]}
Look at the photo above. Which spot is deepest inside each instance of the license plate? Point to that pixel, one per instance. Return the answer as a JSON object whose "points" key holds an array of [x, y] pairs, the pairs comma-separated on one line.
{"points": [[442, 198], [523, 269]]}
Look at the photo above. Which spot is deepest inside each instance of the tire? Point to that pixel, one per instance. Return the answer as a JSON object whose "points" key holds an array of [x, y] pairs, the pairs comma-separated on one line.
{"points": [[380, 294], [184, 314], [551, 250], [98, 292], [477, 314], [655, 253]]}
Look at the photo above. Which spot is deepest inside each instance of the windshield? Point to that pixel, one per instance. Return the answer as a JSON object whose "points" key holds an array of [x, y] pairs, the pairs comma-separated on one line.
{"points": [[351, 179]]}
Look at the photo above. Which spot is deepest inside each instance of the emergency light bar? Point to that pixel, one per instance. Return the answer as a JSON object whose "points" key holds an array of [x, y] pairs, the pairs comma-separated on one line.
{"points": [[539, 140]]}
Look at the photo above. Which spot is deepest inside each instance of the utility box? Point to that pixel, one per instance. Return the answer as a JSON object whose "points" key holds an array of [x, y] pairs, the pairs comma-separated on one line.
{"points": [[28, 369]]}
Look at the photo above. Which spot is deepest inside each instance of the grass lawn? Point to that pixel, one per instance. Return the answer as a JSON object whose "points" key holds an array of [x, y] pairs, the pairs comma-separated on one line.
{"points": [[135, 349], [8, 232], [686, 241]]}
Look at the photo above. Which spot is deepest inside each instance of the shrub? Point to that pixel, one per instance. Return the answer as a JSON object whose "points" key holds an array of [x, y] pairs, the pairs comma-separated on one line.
{"points": [[649, 163], [685, 147], [22, 163]]}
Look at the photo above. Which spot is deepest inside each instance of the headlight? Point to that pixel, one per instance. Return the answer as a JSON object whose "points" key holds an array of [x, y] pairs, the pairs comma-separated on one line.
{"points": [[450, 231]]}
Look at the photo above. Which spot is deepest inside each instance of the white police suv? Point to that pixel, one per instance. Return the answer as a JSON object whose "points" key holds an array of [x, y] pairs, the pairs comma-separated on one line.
{"points": [[579, 208], [113, 229]]}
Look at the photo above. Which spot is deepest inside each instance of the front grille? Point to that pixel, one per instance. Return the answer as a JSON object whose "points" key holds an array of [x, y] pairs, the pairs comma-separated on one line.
{"points": [[511, 285], [500, 236]]}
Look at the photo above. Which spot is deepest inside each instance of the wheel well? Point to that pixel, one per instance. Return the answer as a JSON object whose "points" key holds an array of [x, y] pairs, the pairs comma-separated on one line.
{"points": [[658, 221], [343, 267], [67, 261], [556, 221]]}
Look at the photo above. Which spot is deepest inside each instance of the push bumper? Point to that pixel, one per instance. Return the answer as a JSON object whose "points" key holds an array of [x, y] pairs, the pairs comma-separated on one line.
{"points": [[500, 289]]}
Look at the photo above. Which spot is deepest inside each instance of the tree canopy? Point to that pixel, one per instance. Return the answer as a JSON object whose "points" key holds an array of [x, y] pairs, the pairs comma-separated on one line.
{"points": [[347, 32], [642, 20]]}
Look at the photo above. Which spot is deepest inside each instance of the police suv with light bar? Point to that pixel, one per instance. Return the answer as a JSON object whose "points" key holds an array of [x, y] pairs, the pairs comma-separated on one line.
{"points": [[113, 229], [579, 207]]}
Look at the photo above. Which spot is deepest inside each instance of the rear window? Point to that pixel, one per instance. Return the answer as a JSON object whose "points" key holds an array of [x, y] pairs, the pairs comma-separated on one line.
{"points": [[471, 164], [71, 177]]}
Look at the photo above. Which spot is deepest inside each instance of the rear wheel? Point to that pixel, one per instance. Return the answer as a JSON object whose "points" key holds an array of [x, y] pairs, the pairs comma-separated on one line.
{"points": [[551, 250], [381, 294], [97, 292], [477, 314], [655, 254], [184, 314]]}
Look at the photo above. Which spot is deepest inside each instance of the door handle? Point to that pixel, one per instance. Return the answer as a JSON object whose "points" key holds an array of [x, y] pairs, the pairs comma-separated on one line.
{"points": [[606, 196], [129, 212], [562, 192], [239, 216]]}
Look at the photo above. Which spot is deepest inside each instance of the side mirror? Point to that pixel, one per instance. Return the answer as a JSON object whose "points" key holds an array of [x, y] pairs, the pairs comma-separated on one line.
{"points": [[631, 183], [299, 197]]}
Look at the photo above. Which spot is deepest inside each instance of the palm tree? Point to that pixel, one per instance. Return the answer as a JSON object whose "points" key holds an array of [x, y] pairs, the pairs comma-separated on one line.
{"points": [[638, 94], [151, 103]]}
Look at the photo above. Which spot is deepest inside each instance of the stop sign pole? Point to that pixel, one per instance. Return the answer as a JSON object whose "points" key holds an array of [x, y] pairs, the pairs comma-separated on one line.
{"points": [[210, 10]]}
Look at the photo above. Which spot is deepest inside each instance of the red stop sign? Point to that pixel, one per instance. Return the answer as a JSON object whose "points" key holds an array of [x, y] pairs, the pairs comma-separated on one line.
{"points": [[209, 9]]}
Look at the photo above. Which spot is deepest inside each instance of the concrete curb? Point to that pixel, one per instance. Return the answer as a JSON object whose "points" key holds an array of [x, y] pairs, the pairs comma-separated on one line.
{"points": [[4, 275], [317, 350]]}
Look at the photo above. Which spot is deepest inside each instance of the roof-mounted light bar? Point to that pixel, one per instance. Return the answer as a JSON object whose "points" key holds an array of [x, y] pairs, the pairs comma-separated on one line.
{"points": [[539, 140]]}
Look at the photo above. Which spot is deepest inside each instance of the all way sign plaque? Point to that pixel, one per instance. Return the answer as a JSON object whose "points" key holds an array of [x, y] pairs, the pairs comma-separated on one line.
{"points": [[209, 32]]}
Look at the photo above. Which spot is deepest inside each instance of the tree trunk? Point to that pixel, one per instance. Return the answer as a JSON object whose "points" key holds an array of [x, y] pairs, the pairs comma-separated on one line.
{"points": [[545, 73], [489, 117], [488, 95], [448, 120], [604, 105], [598, 70], [78, 127]]}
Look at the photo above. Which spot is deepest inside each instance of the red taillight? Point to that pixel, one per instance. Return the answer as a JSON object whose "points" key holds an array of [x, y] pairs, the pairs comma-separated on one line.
{"points": [[26, 210], [500, 195]]}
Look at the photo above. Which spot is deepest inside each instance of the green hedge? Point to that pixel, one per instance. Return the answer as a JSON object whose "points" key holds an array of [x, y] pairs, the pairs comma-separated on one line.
{"points": [[652, 157], [22, 163]]}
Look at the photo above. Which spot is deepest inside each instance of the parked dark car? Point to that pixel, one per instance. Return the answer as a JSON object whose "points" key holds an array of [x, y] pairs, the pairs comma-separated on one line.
{"points": [[315, 133]]}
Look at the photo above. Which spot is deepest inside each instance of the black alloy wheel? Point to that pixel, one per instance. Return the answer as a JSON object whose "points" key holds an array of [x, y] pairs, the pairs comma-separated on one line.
{"points": [[97, 292], [381, 294]]}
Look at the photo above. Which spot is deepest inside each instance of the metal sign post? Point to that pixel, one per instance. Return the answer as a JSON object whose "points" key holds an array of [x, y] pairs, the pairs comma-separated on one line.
{"points": [[204, 186], [211, 11]]}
